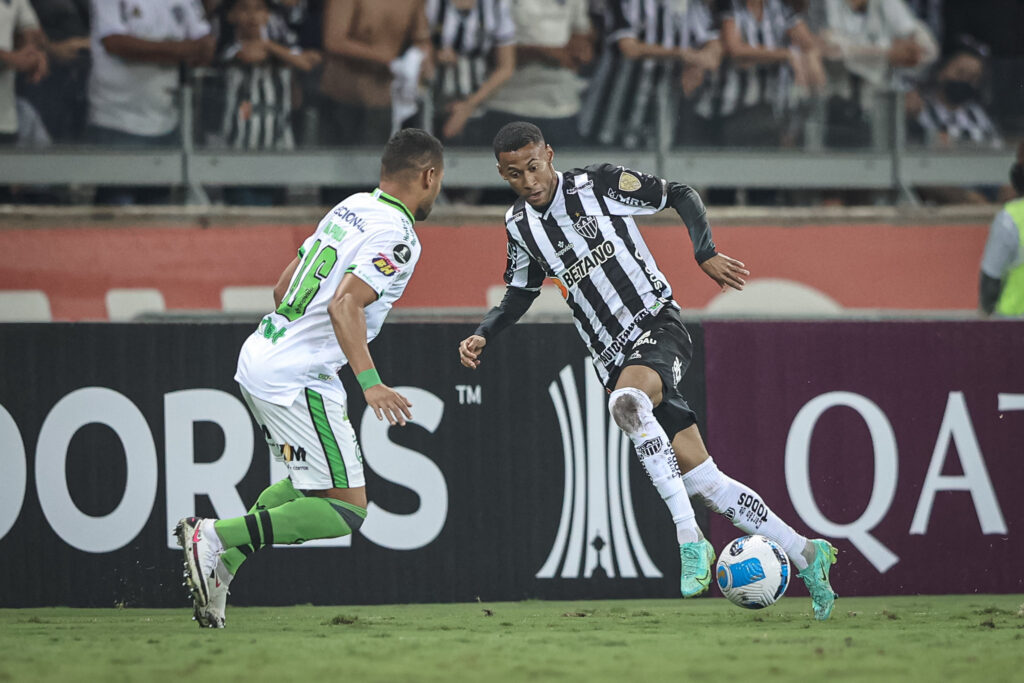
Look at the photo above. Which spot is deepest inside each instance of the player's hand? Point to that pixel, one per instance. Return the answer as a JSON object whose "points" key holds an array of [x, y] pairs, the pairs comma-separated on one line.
{"points": [[470, 349], [726, 271], [388, 404]]}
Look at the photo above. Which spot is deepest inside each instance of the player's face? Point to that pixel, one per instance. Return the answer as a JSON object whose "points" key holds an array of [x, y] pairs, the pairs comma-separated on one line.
{"points": [[434, 189], [529, 172]]}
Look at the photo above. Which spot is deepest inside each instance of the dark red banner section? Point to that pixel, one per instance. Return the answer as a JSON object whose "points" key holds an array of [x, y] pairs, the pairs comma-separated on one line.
{"points": [[859, 266], [900, 442]]}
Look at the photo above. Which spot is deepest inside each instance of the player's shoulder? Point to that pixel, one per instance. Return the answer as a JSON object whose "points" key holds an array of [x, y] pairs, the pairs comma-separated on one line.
{"points": [[516, 212]]}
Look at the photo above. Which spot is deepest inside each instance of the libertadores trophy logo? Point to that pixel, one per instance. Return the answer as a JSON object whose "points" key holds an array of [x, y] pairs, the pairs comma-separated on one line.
{"points": [[597, 527]]}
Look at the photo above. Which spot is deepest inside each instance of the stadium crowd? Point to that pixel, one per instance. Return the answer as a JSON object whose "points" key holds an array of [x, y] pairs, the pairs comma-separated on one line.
{"points": [[282, 74]]}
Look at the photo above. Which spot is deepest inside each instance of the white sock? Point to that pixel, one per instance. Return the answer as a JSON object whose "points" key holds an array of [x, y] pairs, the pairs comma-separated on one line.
{"points": [[744, 508], [209, 533], [632, 410]]}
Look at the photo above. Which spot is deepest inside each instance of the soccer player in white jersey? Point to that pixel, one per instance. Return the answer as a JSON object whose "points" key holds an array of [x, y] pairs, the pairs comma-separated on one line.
{"points": [[331, 301], [577, 228]]}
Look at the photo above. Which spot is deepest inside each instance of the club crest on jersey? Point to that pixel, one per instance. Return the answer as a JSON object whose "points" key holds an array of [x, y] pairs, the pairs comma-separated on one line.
{"points": [[586, 226], [402, 253], [383, 264], [628, 182]]}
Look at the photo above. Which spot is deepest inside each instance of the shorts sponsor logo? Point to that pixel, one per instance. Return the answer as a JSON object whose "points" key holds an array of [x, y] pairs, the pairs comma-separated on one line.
{"points": [[586, 226], [645, 338], [291, 454], [383, 264], [628, 182], [628, 201], [677, 370], [635, 356], [586, 265], [611, 351], [580, 188], [402, 253]]}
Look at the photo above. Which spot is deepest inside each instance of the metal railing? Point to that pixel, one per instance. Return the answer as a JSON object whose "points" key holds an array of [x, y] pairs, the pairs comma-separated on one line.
{"points": [[889, 165]]}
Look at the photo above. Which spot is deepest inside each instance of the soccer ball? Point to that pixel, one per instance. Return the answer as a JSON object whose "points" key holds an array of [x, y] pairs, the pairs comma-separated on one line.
{"points": [[753, 572]]}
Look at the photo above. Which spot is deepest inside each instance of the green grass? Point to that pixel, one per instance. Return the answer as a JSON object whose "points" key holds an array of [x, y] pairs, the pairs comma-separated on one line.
{"points": [[965, 638]]}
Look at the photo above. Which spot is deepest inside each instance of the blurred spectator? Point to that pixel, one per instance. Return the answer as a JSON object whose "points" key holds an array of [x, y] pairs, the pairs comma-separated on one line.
{"points": [[1001, 285], [22, 50], [948, 112], [865, 40], [361, 38], [933, 14], [553, 41], [303, 19], [260, 55], [652, 46], [137, 47], [698, 84], [475, 43], [60, 99], [769, 49]]}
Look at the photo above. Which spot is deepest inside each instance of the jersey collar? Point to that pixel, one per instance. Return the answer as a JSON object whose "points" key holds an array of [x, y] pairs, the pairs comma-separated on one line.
{"points": [[383, 197]]}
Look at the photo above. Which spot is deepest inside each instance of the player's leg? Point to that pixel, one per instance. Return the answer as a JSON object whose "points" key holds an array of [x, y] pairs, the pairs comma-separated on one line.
{"points": [[747, 510], [318, 444], [638, 389]]}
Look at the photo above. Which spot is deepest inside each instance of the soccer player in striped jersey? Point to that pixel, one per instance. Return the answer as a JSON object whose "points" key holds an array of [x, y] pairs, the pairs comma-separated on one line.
{"points": [[577, 228], [331, 301]]}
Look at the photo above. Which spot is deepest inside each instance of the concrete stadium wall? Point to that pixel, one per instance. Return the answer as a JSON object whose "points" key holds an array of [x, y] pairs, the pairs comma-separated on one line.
{"points": [[803, 263], [899, 441]]}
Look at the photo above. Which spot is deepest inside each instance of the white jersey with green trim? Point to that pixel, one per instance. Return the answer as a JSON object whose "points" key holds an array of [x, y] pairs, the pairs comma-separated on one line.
{"points": [[369, 235]]}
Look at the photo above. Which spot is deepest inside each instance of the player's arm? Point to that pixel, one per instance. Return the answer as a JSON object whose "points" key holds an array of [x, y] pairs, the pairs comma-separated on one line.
{"points": [[726, 271], [513, 306], [281, 288], [349, 321]]}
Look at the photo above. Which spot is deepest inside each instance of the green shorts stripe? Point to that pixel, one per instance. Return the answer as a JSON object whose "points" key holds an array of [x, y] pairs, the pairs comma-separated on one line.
{"points": [[335, 462]]}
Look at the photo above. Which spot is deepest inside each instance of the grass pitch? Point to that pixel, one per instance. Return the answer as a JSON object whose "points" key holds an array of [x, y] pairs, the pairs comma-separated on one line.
{"points": [[963, 638]]}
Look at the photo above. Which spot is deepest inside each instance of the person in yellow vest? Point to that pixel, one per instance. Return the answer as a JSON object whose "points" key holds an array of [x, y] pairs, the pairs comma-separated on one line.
{"points": [[1001, 288]]}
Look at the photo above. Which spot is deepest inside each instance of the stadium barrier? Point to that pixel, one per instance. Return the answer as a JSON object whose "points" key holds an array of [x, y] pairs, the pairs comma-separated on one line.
{"points": [[899, 441], [856, 261]]}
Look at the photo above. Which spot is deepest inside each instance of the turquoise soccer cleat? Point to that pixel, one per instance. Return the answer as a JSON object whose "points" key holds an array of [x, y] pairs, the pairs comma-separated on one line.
{"points": [[696, 560], [815, 576]]}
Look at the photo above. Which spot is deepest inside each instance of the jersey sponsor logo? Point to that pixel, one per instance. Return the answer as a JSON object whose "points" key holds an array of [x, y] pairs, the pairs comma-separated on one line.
{"points": [[580, 188], [402, 253], [516, 217], [347, 215], [562, 248], [586, 265], [628, 201], [336, 231], [270, 331], [628, 182], [383, 264], [586, 226]]}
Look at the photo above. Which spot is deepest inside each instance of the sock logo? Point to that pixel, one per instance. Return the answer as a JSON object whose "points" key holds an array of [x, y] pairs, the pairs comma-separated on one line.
{"points": [[649, 448], [597, 533], [753, 509]]}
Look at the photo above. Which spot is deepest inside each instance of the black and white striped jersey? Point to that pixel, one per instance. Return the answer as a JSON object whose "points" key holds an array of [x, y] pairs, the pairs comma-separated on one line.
{"points": [[472, 34], [968, 124], [749, 86], [589, 244]]}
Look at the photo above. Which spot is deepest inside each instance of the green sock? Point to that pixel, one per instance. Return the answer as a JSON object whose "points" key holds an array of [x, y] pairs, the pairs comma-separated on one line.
{"points": [[296, 521], [272, 496]]}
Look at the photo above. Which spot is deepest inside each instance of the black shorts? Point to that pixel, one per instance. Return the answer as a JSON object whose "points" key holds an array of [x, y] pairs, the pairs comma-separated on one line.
{"points": [[666, 348]]}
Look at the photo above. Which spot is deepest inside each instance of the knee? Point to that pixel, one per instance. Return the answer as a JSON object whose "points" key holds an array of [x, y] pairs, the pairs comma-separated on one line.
{"points": [[627, 407]]}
